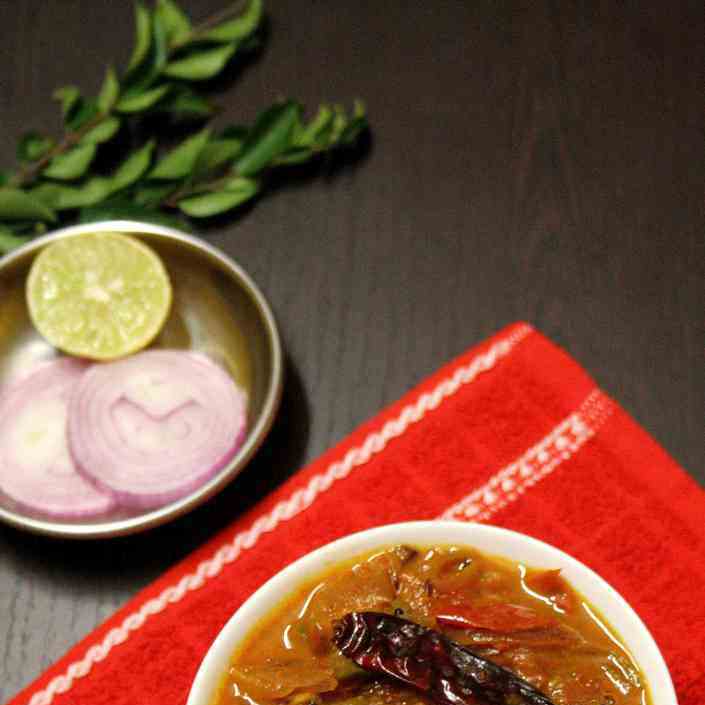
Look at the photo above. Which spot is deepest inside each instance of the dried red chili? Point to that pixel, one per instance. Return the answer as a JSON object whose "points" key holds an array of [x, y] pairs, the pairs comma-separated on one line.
{"points": [[425, 659]]}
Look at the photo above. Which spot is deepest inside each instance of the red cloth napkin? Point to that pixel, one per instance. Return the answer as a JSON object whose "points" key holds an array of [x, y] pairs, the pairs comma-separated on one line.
{"points": [[513, 432]]}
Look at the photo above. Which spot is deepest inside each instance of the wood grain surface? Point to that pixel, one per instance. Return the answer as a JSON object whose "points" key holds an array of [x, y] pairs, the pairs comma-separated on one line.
{"points": [[536, 160]]}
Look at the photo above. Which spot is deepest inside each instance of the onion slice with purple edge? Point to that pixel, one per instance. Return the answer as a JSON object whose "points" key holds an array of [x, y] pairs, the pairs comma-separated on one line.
{"points": [[36, 468], [154, 426]]}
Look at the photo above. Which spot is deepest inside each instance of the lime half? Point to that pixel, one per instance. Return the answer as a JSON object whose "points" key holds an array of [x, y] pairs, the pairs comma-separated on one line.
{"points": [[98, 295]]}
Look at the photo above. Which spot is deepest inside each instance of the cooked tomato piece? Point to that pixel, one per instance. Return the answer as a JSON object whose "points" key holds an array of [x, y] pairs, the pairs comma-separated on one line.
{"points": [[499, 617], [555, 637], [551, 584]]}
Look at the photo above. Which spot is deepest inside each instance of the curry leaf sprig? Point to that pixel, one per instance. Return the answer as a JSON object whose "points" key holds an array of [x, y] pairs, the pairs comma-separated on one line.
{"points": [[210, 172]]}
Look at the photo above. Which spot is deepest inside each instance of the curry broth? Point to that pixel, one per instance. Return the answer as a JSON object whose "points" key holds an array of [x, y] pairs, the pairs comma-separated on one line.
{"points": [[527, 620]]}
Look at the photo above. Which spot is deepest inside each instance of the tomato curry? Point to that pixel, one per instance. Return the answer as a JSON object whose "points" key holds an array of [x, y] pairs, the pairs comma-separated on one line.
{"points": [[406, 625]]}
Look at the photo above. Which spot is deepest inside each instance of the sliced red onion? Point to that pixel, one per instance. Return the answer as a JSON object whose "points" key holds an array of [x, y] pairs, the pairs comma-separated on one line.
{"points": [[36, 468], [154, 426]]}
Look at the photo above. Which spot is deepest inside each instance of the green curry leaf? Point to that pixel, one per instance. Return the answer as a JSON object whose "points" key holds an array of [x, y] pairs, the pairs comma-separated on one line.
{"points": [[315, 132], [19, 205], [182, 159], [102, 132], [141, 101], [143, 36], [269, 137], [33, 146], [215, 154], [152, 194], [183, 102], [82, 112], [295, 155], [234, 194], [67, 96], [72, 164], [204, 175], [109, 91], [135, 166], [64, 197], [175, 22], [201, 64], [240, 27]]}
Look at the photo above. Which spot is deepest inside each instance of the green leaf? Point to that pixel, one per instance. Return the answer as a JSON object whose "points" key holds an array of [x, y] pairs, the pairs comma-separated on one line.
{"points": [[4, 177], [92, 191], [102, 132], [181, 160], [200, 65], [109, 92], [317, 131], [215, 154], [295, 155], [124, 209], [160, 49], [176, 24], [357, 124], [182, 102], [143, 76], [243, 184], [239, 27], [33, 146], [9, 241], [96, 189], [48, 193], [18, 205], [153, 194], [204, 205], [142, 101], [63, 197], [75, 109], [269, 137], [71, 165], [82, 112], [143, 36], [68, 96], [340, 122], [133, 167]]}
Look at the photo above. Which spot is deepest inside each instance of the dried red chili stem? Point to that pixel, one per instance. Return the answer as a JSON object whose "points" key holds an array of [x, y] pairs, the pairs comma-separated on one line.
{"points": [[425, 659]]}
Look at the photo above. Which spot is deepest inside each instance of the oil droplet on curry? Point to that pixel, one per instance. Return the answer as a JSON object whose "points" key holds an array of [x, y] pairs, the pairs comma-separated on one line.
{"points": [[528, 621]]}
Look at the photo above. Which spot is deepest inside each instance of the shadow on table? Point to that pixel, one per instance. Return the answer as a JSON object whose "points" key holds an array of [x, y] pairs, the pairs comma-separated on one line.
{"points": [[131, 561]]}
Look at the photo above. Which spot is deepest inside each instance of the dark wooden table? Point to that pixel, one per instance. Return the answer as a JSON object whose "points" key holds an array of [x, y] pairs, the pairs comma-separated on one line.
{"points": [[535, 160]]}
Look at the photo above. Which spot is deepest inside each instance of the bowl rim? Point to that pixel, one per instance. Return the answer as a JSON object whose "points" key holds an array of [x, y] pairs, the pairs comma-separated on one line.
{"points": [[256, 434], [483, 536]]}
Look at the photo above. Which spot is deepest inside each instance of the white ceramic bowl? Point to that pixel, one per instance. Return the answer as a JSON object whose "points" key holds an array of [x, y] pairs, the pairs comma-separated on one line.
{"points": [[491, 540]]}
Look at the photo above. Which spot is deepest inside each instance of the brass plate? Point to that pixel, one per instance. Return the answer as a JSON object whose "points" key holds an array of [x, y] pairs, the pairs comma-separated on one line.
{"points": [[217, 309]]}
